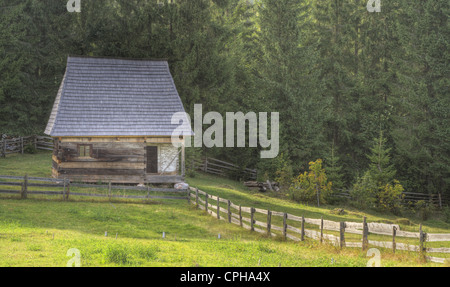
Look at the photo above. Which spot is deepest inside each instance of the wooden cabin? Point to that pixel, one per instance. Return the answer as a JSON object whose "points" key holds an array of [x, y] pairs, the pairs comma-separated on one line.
{"points": [[111, 121]]}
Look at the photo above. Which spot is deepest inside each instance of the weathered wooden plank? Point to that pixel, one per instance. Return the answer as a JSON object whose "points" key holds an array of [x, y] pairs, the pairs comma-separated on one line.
{"points": [[232, 205], [312, 234], [381, 227], [277, 213], [201, 192], [213, 197], [106, 178], [294, 217], [354, 231], [312, 221], [246, 219], [100, 171], [101, 165], [262, 211], [223, 200], [407, 234], [354, 225], [260, 223], [275, 227], [223, 210], [438, 250], [292, 237], [432, 237], [437, 259], [246, 209], [292, 228]]}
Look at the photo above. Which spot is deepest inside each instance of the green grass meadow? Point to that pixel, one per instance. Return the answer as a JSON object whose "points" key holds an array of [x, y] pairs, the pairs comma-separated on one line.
{"points": [[40, 230]]}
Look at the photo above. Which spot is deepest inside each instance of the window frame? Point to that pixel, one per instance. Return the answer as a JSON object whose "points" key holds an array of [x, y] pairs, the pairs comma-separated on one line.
{"points": [[84, 150]]}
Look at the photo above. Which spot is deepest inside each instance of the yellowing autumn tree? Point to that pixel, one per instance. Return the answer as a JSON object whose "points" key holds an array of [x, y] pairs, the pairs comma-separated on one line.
{"points": [[311, 186]]}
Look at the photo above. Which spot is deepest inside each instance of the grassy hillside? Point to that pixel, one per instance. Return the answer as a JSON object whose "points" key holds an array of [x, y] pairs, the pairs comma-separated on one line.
{"points": [[39, 231]]}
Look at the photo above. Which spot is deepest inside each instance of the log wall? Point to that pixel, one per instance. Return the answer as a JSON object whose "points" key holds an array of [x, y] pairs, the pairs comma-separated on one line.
{"points": [[115, 159]]}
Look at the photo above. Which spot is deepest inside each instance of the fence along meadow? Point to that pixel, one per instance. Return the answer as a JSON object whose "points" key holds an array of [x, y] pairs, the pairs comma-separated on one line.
{"points": [[294, 227], [18, 145], [26, 185]]}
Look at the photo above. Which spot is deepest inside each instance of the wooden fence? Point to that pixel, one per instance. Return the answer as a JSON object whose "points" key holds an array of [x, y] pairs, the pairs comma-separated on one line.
{"points": [[294, 227], [222, 168], [438, 200], [18, 145], [28, 184]]}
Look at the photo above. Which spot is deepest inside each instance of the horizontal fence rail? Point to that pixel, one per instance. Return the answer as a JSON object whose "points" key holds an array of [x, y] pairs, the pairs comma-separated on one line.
{"points": [[295, 227], [438, 200], [222, 168], [28, 186]]}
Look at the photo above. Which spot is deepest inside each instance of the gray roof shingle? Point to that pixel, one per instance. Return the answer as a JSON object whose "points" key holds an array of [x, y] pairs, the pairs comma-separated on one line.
{"points": [[115, 97]]}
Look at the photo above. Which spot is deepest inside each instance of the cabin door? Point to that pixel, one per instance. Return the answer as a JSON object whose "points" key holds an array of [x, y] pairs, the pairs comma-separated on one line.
{"points": [[152, 159]]}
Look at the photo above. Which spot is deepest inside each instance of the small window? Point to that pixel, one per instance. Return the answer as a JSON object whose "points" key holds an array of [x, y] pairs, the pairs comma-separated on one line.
{"points": [[84, 150]]}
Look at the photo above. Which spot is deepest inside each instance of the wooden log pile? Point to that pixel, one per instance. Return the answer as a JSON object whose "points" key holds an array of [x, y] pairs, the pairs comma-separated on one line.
{"points": [[263, 186]]}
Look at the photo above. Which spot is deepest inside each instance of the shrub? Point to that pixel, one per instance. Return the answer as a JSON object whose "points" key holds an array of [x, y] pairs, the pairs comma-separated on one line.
{"points": [[363, 192], [311, 186], [390, 197], [423, 209], [29, 148], [446, 212]]}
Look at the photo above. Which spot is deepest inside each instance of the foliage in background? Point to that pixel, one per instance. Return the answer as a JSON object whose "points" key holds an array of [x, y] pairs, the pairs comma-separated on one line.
{"points": [[311, 186], [336, 73]]}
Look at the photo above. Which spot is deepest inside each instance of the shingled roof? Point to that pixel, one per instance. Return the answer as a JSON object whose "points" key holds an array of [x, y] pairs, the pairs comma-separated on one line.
{"points": [[115, 97]]}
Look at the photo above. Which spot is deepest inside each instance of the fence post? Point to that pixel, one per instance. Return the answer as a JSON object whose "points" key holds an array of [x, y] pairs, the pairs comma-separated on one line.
{"points": [[4, 148], [196, 198], [302, 235], [422, 238], [342, 234], [189, 196], [365, 234], [205, 166], [269, 219], [252, 212], [394, 233], [240, 215], [218, 208], [21, 144], [64, 189], [229, 211], [285, 215], [321, 229], [206, 202], [68, 189], [25, 187]]}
